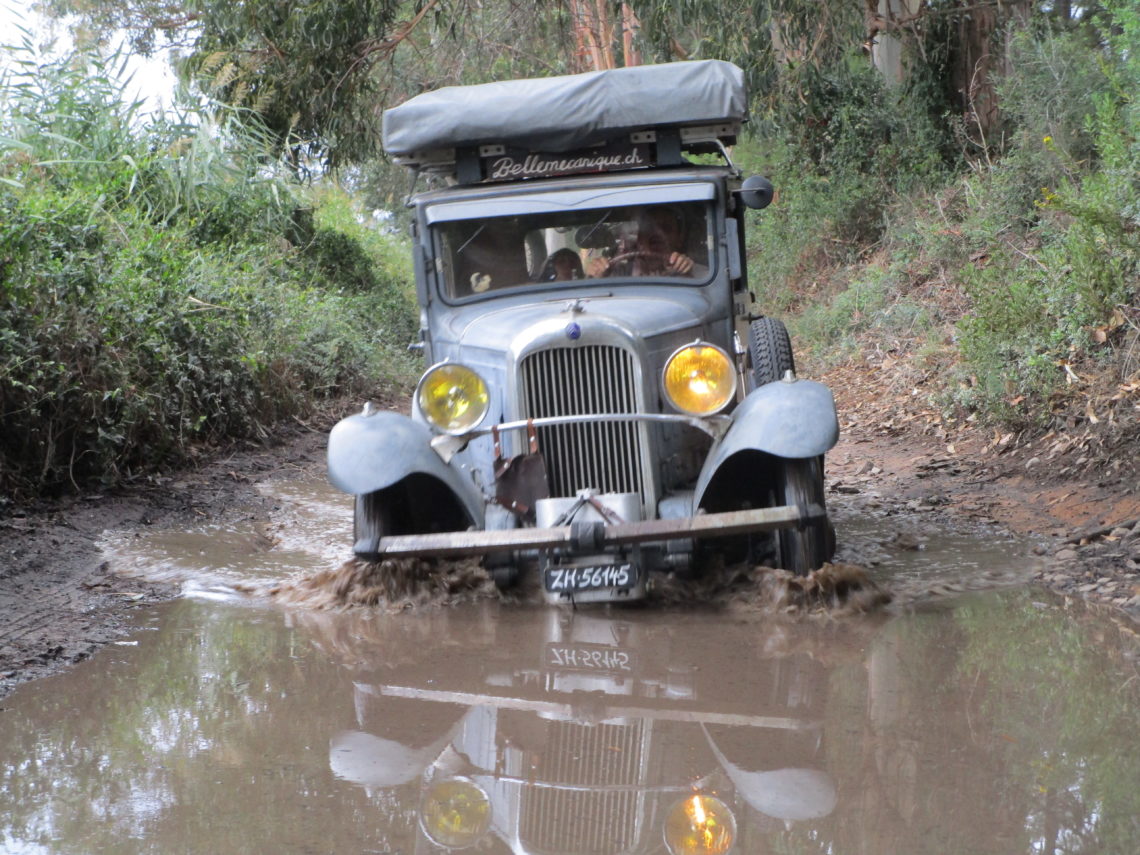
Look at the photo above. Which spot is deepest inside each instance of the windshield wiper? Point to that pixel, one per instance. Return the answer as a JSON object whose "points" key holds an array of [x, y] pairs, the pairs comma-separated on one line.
{"points": [[582, 238]]}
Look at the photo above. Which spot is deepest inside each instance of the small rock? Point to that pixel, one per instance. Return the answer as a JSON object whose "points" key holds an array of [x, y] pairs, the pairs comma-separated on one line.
{"points": [[1031, 462], [1120, 533], [1039, 550], [1067, 554], [904, 540]]}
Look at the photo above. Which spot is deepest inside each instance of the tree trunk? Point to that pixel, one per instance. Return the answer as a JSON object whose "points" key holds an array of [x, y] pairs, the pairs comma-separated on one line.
{"points": [[630, 26]]}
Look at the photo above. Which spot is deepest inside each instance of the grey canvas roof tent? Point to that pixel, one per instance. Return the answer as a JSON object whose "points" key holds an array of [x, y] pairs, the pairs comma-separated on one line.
{"points": [[701, 101]]}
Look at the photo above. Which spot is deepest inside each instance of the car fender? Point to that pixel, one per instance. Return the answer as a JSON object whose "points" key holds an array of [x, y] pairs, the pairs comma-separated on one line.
{"points": [[371, 451], [788, 418]]}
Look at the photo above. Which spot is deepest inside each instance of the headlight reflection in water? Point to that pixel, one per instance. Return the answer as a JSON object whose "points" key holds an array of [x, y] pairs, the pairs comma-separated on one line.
{"points": [[456, 813], [700, 825]]}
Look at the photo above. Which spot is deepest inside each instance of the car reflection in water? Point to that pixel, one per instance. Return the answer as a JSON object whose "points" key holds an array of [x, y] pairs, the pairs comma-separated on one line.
{"points": [[584, 734]]}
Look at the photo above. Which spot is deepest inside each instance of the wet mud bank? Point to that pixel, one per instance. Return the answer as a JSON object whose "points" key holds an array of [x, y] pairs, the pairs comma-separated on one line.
{"points": [[60, 601], [1080, 538]]}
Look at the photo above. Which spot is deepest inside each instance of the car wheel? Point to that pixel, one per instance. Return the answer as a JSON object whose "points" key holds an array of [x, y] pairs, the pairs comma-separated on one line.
{"points": [[806, 548], [371, 520], [771, 351]]}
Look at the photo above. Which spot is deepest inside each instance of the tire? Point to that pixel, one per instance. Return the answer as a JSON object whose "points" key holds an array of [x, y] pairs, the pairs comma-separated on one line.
{"points": [[770, 350], [805, 549], [371, 520]]}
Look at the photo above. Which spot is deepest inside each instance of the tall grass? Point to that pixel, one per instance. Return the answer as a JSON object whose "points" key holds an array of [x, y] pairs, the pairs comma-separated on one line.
{"points": [[160, 290]]}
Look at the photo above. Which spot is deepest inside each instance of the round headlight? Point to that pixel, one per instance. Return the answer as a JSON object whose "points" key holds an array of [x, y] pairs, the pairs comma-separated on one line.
{"points": [[455, 813], [700, 825], [700, 379], [452, 397]]}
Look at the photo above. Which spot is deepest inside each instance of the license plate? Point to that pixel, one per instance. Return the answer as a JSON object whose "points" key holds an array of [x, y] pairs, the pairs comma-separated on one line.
{"points": [[568, 580], [589, 657]]}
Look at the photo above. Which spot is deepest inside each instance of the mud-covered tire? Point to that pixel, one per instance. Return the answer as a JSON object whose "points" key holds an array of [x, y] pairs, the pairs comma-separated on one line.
{"points": [[371, 520], [807, 548], [770, 349]]}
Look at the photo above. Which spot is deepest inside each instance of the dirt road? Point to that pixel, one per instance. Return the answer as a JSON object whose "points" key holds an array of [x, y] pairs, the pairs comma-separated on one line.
{"points": [[60, 602]]}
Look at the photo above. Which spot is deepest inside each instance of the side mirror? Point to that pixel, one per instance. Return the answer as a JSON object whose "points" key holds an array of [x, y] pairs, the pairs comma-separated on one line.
{"points": [[756, 192]]}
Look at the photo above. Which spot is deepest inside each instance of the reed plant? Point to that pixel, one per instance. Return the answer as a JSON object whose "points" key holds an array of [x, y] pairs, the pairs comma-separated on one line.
{"points": [[157, 294]]}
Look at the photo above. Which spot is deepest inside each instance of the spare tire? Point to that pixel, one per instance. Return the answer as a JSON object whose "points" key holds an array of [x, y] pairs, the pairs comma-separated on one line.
{"points": [[770, 349]]}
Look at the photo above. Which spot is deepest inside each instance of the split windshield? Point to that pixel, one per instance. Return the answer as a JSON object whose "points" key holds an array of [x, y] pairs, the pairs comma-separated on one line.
{"points": [[670, 242]]}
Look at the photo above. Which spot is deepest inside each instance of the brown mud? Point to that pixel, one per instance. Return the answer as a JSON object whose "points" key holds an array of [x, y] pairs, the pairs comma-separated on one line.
{"points": [[1074, 494]]}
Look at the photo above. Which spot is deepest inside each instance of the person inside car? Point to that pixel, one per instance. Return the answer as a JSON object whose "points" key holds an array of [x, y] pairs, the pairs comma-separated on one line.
{"points": [[656, 251], [562, 265]]}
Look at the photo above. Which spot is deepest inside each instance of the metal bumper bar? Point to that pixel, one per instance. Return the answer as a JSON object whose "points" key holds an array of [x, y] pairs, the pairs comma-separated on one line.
{"points": [[596, 536]]}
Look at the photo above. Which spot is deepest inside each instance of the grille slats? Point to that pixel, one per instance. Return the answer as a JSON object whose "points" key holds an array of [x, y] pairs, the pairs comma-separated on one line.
{"points": [[572, 816], [607, 456]]}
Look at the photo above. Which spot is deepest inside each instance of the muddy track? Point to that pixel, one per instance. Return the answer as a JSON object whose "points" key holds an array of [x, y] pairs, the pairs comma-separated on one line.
{"points": [[60, 602]]}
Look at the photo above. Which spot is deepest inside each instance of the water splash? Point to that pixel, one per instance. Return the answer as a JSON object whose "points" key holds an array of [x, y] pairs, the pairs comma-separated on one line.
{"points": [[394, 584]]}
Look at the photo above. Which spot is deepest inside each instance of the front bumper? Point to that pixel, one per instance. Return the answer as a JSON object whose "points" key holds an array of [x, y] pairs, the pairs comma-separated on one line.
{"points": [[597, 536]]}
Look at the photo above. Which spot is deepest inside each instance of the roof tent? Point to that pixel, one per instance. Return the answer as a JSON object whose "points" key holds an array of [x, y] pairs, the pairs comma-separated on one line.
{"points": [[571, 113]]}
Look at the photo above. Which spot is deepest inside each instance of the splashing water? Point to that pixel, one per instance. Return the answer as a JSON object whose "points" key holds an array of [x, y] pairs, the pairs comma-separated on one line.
{"points": [[394, 584]]}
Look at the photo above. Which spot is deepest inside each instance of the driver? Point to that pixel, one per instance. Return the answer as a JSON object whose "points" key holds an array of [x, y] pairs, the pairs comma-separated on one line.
{"points": [[656, 252]]}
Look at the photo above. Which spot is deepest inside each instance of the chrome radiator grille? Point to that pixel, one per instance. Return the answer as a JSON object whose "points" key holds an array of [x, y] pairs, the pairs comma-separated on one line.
{"points": [[577, 381], [595, 805]]}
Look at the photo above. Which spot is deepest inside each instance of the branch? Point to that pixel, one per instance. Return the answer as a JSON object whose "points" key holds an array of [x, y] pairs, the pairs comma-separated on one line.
{"points": [[877, 23], [385, 46]]}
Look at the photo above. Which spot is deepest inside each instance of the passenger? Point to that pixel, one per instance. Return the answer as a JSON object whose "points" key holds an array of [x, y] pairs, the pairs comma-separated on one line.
{"points": [[562, 265], [656, 252]]}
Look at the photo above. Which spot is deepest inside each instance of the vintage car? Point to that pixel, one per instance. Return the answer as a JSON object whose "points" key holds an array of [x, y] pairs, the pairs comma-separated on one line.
{"points": [[601, 400]]}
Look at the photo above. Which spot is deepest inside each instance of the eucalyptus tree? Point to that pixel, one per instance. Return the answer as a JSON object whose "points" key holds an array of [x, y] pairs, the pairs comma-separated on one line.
{"points": [[305, 72]]}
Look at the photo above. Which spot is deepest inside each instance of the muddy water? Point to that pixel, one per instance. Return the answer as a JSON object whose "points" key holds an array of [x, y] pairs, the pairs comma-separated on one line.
{"points": [[995, 722]]}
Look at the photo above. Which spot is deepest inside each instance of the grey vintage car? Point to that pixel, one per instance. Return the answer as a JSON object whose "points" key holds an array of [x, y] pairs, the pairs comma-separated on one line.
{"points": [[600, 400]]}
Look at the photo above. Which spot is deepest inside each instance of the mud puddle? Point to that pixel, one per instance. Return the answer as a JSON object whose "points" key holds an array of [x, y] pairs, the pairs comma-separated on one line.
{"points": [[998, 727], [999, 722]]}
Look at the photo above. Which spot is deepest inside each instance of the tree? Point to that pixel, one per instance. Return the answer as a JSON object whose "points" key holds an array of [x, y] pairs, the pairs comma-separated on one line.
{"points": [[303, 71]]}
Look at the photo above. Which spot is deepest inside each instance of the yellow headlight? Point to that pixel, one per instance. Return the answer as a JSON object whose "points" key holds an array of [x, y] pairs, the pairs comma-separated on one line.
{"points": [[700, 825], [456, 813], [452, 397], [700, 379]]}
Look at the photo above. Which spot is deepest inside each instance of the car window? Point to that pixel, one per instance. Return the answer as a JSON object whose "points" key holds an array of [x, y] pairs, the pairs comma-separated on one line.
{"points": [[630, 243]]}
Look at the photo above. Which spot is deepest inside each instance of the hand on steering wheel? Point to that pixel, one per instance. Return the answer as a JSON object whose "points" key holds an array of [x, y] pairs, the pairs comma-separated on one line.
{"points": [[672, 263]]}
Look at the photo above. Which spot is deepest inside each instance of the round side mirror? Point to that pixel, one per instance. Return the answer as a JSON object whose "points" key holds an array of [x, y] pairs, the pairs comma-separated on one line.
{"points": [[756, 192]]}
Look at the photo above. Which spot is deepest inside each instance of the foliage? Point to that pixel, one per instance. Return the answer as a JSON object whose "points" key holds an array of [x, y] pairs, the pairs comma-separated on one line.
{"points": [[1076, 256], [151, 300], [1031, 241], [303, 71]]}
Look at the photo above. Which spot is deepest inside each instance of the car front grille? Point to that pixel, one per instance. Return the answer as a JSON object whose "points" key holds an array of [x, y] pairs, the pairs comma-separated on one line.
{"points": [[607, 456], [591, 801]]}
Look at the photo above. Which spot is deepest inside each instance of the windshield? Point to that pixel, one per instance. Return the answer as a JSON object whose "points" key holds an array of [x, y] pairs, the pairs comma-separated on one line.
{"points": [[670, 242]]}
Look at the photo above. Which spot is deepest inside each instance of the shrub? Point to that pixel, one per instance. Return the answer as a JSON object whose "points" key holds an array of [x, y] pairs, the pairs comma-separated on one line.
{"points": [[149, 298]]}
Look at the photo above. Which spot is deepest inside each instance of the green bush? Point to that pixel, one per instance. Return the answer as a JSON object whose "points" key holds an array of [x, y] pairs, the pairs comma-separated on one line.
{"points": [[1073, 257], [1029, 250], [150, 298]]}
